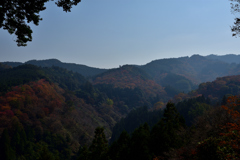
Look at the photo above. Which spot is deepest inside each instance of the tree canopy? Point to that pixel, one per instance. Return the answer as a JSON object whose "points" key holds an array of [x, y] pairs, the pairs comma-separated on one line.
{"points": [[235, 6], [15, 15]]}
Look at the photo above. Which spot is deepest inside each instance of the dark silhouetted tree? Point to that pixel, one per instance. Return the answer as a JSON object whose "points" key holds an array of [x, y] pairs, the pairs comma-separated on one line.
{"points": [[120, 149], [139, 147], [14, 15], [166, 133], [83, 153], [235, 6], [99, 147]]}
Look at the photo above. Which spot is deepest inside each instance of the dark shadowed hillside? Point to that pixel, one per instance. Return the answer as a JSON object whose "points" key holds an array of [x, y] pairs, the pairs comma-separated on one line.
{"points": [[4, 66], [82, 69], [195, 68], [183, 74]]}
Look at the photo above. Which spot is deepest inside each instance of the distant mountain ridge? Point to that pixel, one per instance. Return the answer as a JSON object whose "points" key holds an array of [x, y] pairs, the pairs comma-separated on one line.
{"points": [[82, 69], [229, 58], [182, 74], [195, 68]]}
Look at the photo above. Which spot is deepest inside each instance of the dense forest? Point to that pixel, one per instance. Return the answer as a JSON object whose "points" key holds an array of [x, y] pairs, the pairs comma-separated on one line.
{"points": [[166, 109]]}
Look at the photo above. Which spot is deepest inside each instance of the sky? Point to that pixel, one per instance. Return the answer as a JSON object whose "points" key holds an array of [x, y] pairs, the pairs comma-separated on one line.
{"points": [[109, 33]]}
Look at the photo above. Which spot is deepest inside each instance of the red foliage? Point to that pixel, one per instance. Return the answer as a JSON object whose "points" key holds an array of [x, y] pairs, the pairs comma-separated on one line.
{"points": [[9, 113], [125, 78], [29, 99], [227, 144]]}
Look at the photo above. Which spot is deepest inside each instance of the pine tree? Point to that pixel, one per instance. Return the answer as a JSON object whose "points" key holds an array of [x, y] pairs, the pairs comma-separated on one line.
{"points": [[139, 147], [165, 134], [119, 150], [99, 147], [83, 153]]}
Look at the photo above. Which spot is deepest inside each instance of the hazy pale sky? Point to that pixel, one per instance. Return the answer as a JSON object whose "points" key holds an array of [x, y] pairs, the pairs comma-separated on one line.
{"points": [[109, 33]]}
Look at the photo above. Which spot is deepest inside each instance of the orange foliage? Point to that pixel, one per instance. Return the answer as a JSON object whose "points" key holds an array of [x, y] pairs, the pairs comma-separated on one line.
{"points": [[31, 99], [227, 145], [232, 136]]}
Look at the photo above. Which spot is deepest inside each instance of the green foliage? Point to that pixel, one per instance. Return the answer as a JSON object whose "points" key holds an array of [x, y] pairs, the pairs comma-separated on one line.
{"points": [[19, 146], [166, 133], [109, 102], [99, 147], [176, 82], [134, 119], [139, 146], [66, 79], [145, 143], [120, 149], [19, 75], [83, 153], [133, 98], [192, 108]]}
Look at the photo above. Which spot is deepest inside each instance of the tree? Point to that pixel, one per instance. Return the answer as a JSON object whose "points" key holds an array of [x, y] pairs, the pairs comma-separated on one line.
{"points": [[120, 149], [235, 6], [99, 147], [83, 153], [139, 147], [166, 134], [15, 13], [226, 144]]}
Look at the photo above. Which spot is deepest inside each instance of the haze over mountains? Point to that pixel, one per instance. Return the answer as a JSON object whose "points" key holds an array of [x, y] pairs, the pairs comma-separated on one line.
{"points": [[183, 74]]}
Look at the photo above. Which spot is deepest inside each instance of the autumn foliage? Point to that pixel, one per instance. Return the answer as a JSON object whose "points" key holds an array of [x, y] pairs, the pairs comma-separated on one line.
{"points": [[36, 99], [226, 144], [130, 77]]}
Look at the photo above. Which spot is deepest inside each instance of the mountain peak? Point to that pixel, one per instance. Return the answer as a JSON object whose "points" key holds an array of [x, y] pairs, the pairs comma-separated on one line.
{"points": [[197, 57], [53, 60]]}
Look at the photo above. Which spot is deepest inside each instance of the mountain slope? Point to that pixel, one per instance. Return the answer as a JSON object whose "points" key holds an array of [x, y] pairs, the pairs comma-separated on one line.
{"points": [[175, 74], [195, 68], [229, 58], [229, 85], [130, 77], [45, 107], [82, 69]]}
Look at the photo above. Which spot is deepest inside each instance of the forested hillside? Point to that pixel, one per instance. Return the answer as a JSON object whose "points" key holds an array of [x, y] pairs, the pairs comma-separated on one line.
{"points": [[82, 69], [220, 88], [56, 113], [52, 102], [196, 68], [176, 74], [130, 77]]}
